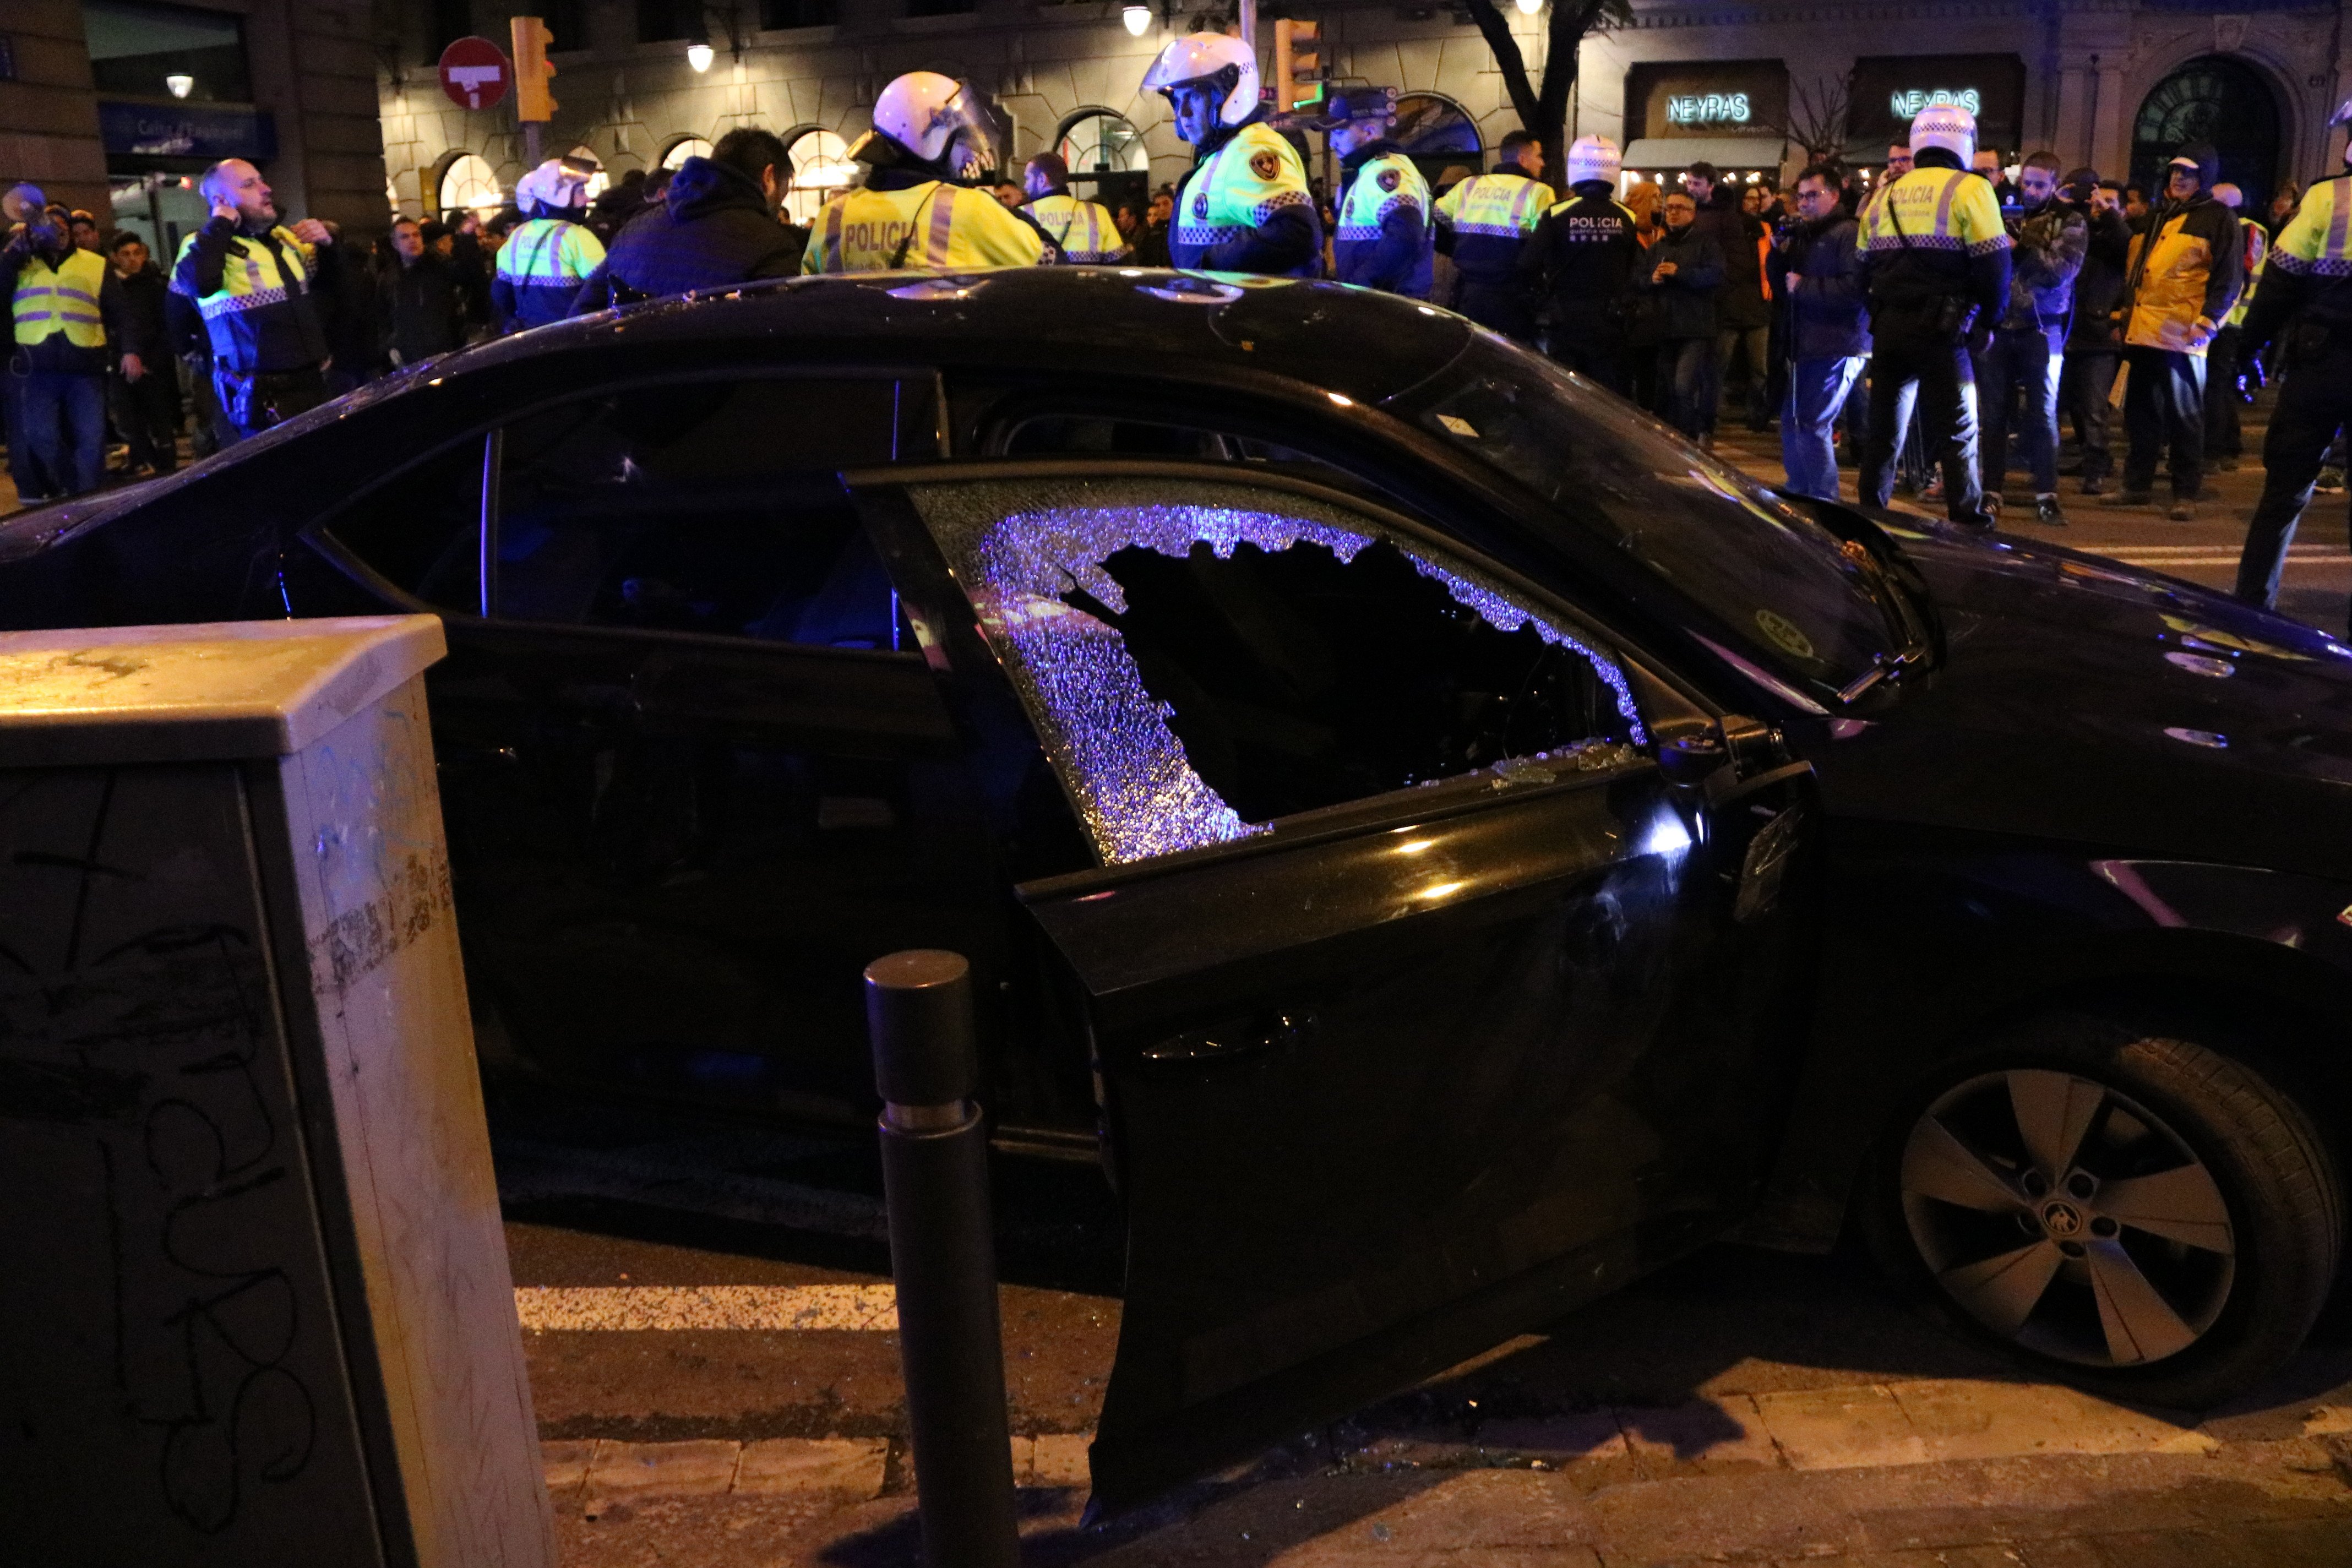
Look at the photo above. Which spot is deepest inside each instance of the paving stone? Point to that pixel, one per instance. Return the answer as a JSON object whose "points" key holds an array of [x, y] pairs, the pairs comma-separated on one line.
{"points": [[845, 1469], [1841, 1428], [1585, 1435], [1973, 1419], [1713, 1435], [1059, 1459], [663, 1470], [564, 1464], [1514, 1517]]}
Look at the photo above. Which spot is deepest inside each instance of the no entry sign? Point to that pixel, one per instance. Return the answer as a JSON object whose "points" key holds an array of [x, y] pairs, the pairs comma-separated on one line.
{"points": [[475, 73]]}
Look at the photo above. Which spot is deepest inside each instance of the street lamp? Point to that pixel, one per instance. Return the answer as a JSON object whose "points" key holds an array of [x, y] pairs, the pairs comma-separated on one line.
{"points": [[1136, 17], [1529, 8], [699, 54], [181, 86]]}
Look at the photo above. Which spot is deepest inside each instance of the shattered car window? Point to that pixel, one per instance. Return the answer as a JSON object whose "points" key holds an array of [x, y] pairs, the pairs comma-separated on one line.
{"points": [[1204, 659]]}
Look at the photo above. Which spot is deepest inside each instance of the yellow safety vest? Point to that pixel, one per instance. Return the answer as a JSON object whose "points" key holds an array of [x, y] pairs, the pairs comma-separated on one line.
{"points": [[930, 225], [1085, 231], [1497, 205], [61, 299], [1948, 210], [2258, 240], [1237, 188], [2317, 241]]}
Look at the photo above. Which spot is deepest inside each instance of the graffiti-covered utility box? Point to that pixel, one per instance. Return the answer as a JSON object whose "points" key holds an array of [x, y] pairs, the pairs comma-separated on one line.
{"points": [[255, 1305]]}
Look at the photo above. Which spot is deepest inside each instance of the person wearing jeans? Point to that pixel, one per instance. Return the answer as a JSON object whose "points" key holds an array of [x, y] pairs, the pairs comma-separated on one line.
{"points": [[1675, 280], [2047, 241], [1816, 275], [65, 308], [2094, 342]]}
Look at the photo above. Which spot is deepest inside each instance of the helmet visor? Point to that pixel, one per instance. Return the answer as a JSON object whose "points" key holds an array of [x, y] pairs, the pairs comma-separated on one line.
{"points": [[973, 147]]}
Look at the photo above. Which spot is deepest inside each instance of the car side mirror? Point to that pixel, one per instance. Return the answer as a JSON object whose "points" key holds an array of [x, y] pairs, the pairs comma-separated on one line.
{"points": [[1691, 760]]}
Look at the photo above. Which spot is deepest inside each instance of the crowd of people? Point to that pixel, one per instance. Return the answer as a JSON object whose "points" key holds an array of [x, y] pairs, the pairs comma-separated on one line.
{"points": [[1934, 326]]}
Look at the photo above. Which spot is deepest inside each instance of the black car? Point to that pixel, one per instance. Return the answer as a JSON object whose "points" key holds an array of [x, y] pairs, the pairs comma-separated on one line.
{"points": [[1445, 845]]}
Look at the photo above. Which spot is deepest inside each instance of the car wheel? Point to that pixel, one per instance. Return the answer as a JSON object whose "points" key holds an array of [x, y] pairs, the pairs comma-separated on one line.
{"points": [[2144, 1214]]}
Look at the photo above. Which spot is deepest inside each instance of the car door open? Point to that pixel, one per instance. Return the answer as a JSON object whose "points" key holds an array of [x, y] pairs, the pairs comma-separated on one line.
{"points": [[1417, 998]]}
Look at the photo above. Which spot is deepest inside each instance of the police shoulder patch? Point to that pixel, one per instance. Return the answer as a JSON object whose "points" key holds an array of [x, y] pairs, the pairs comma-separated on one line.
{"points": [[1391, 178], [1201, 205], [1265, 165]]}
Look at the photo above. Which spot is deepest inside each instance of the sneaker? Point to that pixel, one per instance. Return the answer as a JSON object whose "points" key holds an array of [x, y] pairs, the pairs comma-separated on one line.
{"points": [[2130, 498], [2047, 511], [2094, 486], [1933, 489], [2183, 511], [2331, 482], [2223, 465], [1990, 504]]}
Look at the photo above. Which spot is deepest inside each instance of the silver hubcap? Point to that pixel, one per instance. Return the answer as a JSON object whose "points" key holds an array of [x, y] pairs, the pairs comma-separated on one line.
{"points": [[2067, 1218]]}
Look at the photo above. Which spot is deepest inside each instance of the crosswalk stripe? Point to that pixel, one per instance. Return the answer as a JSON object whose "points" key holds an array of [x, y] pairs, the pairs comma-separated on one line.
{"points": [[869, 1308]]}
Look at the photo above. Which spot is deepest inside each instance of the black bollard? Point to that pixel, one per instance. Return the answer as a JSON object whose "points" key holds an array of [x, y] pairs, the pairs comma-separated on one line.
{"points": [[943, 1255]]}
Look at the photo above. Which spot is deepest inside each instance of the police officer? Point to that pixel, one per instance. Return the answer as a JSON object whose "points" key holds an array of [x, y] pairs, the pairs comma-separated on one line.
{"points": [[251, 278], [1583, 254], [1086, 232], [2306, 291], [1384, 240], [1482, 224], [1935, 266], [1244, 205], [550, 253], [922, 204]]}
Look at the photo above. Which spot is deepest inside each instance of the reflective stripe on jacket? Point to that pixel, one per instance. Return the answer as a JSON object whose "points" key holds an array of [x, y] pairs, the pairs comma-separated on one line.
{"points": [[1084, 231], [1236, 189], [1387, 200], [2308, 272], [541, 269], [932, 224], [61, 299], [261, 319], [1491, 217], [2258, 255]]}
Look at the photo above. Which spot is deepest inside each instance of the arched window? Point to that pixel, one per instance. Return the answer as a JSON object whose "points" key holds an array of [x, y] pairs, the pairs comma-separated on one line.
{"points": [[596, 182], [1429, 126], [2218, 100], [685, 147], [1101, 142], [469, 185], [821, 166]]}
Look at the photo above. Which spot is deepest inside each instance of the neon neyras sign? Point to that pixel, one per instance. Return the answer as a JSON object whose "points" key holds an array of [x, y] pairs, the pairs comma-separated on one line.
{"points": [[1708, 108], [1906, 105]]}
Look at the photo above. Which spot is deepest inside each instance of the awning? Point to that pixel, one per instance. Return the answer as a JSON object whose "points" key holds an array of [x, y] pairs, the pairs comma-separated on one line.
{"points": [[1723, 152]]}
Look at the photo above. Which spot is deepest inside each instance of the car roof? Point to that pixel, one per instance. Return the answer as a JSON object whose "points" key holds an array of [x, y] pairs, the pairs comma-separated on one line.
{"points": [[1063, 319]]}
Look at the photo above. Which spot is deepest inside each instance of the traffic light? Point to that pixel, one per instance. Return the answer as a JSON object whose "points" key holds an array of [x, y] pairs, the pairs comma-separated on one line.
{"points": [[531, 42], [1297, 65]]}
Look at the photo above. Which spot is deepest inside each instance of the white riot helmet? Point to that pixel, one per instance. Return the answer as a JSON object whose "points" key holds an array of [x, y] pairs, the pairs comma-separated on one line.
{"points": [[1215, 59], [2342, 116], [560, 185], [1949, 126], [1593, 158], [925, 115]]}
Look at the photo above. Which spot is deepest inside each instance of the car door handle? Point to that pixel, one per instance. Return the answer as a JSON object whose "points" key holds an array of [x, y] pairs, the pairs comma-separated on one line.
{"points": [[1722, 793], [1233, 1039]]}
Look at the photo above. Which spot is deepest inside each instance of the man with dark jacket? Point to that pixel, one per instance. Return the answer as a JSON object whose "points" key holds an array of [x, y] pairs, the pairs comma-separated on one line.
{"points": [[1583, 254], [1742, 317], [1676, 281], [2048, 239], [423, 301], [2094, 344], [143, 391], [1816, 275], [716, 224], [2184, 276]]}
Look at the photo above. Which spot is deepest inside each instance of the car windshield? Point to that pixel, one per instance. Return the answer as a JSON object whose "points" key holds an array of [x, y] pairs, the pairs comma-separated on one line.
{"points": [[1778, 583]]}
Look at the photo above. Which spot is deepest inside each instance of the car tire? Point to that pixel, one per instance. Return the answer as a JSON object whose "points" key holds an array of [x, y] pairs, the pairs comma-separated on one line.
{"points": [[2177, 1256]]}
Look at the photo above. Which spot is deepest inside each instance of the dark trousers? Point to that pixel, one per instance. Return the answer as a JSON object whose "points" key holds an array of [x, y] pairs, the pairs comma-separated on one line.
{"points": [[2164, 405], [1939, 369], [2222, 438], [1590, 343], [1502, 306], [2088, 382], [252, 404], [147, 413], [2024, 361], [1756, 342], [2314, 402], [62, 418], [1685, 378]]}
